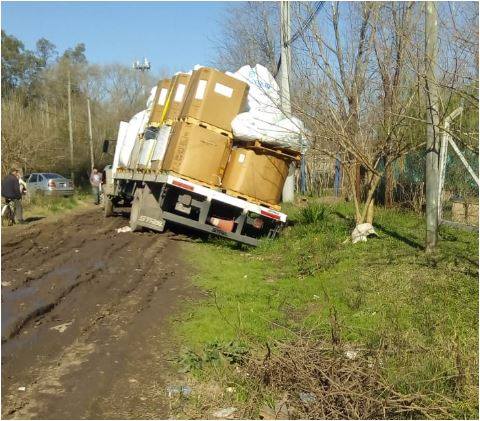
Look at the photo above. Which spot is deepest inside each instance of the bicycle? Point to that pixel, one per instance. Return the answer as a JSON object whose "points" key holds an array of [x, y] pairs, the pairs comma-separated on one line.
{"points": [[8, 213]]}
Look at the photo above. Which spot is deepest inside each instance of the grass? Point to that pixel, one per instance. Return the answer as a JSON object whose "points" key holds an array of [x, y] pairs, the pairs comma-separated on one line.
{"points": [[42, 206], [422, 310]]}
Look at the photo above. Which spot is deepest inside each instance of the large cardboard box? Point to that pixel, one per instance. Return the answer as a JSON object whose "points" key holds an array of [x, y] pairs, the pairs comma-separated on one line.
{"points": [[197, 153], [259, 174], [214, 98], [176, 95], [159, 102]]}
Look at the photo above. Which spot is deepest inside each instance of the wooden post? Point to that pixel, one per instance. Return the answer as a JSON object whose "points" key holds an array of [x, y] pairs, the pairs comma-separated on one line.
{"points": [[90, 137], [70, 133]]}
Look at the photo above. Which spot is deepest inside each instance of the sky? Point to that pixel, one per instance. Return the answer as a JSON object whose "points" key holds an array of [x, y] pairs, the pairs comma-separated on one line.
{"points": [[172, 35]]}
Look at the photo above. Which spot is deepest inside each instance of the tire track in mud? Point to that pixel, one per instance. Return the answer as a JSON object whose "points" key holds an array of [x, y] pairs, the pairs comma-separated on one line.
{"points": [[41, 307], [111, 304]]}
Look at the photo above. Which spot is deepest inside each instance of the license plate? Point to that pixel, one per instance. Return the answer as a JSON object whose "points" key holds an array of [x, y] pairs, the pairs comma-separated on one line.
{"points": [[151, 221]]}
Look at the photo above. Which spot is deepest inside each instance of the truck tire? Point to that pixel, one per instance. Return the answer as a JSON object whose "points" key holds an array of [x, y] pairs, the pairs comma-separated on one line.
{"points": [[107, 206], [135, 211]]}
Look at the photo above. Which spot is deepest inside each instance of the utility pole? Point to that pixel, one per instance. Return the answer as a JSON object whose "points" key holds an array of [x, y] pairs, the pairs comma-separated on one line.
{"points": [[90, 137], [285, 34], [70, 133], [431, 169]]}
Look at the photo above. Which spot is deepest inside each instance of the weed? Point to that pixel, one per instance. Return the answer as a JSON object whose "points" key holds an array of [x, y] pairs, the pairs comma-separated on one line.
{"points": [[214, 352], [312, 214], [386, 294]]}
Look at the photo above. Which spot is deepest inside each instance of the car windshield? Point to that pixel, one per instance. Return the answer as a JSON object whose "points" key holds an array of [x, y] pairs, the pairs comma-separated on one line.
{"points": [[52, 175]]}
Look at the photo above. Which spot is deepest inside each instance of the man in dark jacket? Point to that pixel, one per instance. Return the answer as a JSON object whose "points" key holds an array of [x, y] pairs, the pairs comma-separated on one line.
{"points": [[11, 192]]}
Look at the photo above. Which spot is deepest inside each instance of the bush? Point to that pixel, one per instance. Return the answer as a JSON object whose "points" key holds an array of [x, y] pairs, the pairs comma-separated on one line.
{"points": [[313, 214]]}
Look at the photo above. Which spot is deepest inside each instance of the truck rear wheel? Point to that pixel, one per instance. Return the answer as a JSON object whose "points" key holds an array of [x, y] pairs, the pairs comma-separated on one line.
{"points": [[135, 210], [107, 206]]}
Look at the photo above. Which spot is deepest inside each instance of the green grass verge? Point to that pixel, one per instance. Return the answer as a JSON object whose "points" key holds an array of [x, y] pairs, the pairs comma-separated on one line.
{"points": [[41, 206], [386, 293]]}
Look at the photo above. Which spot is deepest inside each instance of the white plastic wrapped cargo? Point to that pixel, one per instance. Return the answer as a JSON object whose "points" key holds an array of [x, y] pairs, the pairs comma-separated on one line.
{"points": [[135, 126], [264, 93], [146, 152], [264, 119], [161, 143], [122, 130], [286, 132]]}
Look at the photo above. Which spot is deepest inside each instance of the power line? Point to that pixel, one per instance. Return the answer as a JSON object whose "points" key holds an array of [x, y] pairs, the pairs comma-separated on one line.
{"points": [[300, 31]]}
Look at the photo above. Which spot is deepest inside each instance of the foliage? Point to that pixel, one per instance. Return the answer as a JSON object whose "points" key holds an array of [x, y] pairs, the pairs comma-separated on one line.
{"points": [[35, 133], [214, 352], [387, 294], [312, 214]]}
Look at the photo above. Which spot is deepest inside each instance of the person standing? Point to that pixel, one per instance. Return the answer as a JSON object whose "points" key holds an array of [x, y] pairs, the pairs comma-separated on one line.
{"points": [[96, 181], [11, 192]]}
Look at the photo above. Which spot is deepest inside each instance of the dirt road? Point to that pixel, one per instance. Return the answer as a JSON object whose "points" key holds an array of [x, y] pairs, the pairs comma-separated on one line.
{"points": [[85, 318]]}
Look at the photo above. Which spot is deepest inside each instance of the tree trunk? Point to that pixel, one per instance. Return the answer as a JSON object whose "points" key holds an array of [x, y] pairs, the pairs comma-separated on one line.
{"points": [[370, 211], [388, 186], [367, 213]]}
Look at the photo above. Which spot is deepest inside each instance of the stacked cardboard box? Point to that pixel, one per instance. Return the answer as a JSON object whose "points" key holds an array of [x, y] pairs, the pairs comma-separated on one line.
{"points": [[214, 98], [257, 172], [167, 103], [198, 153], [201, 114], [159, 102], [176, 96]]}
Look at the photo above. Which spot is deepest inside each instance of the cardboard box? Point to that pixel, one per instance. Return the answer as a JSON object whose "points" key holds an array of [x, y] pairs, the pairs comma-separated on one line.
{"points": [[176, 95], [197, 153], [159, 101], [259, 174], [214, 98]]}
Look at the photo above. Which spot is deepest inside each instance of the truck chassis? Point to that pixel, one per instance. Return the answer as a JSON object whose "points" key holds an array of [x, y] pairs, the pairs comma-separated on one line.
{"points": [[158, 199]]}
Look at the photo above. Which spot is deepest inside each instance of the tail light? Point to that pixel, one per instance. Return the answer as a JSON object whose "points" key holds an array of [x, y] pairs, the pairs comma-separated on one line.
{"points": [[52, 184], [270, 214]]}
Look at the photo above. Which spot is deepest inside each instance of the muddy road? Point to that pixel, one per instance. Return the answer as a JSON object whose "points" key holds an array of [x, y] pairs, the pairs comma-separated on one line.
{"points": [[85, 314]]}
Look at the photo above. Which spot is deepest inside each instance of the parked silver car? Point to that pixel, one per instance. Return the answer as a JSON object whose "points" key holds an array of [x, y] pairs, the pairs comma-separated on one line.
{"points": [[50, 184]]}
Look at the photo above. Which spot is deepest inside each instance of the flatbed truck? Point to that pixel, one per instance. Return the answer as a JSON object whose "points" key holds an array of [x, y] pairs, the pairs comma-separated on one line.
{"points": [[161, 198]]}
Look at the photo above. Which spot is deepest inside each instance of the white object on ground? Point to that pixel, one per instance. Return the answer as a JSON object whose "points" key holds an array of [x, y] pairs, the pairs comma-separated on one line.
{"points": [[124, 229], [22, 388], [61, 328], [224, 413], [362, 232], [351, 355]]}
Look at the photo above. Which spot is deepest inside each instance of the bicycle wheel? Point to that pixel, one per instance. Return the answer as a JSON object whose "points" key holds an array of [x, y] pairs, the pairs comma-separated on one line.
{"points": [[8, 217]]}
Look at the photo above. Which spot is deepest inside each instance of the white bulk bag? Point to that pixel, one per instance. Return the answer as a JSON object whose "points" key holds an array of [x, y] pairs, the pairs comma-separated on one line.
{"points": [[122, 130], [145, 152], [264, 93], [135, 126], [252, 126], [161, 143]]}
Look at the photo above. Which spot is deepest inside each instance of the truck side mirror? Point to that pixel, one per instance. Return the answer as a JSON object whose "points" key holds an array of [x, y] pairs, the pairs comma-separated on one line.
{"points": [[105, 146]]}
